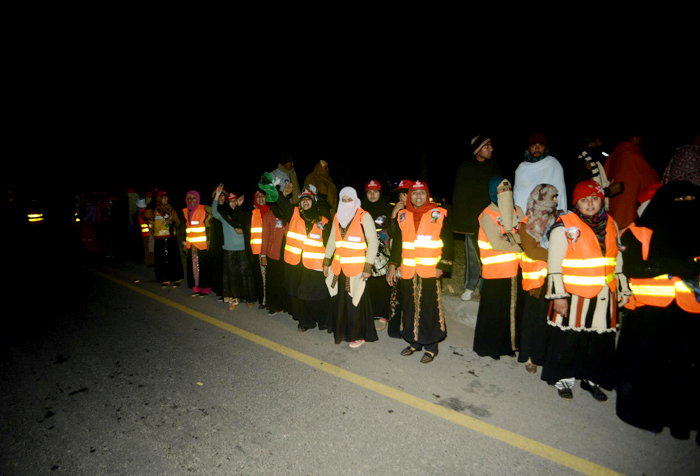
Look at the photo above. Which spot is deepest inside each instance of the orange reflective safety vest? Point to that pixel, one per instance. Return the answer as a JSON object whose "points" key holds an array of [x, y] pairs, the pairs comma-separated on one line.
{"points": [[256, 232], [143, 221], [496, 264], [300, 247], [662, 290], [534, 271], [350, 251], [197, 230], [585, 270], [421, 250]]}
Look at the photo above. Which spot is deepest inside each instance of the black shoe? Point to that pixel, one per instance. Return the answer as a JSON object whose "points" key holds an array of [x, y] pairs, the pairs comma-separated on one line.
{"points": [[408, 351], [196, 295], [565, 393], [272, 312], [301, 328], [427, 357], [594, 390]]}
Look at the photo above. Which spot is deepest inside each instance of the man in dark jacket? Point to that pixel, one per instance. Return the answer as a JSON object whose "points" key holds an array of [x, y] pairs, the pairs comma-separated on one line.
{"points": [[469, 199]]}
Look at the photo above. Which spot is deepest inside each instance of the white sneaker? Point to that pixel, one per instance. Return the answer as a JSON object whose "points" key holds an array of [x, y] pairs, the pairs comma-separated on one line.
{"points": [[467, 295]]}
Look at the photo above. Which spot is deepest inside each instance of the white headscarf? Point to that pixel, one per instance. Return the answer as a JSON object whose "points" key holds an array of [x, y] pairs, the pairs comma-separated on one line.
{"points": [[347, 210]]}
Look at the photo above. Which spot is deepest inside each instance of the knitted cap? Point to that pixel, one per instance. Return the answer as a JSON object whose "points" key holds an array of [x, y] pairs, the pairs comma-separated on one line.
{"points": [[588, 188], [308, 192], [537, 139], [479, 142]]}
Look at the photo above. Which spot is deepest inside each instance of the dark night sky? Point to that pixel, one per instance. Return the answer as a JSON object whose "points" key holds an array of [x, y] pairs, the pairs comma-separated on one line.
{"points": [[109, 146]]}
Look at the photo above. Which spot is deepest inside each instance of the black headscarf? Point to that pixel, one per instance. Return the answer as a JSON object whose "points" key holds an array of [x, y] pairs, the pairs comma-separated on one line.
{"points": [[310, 216], [378, 209], [671, 218]]}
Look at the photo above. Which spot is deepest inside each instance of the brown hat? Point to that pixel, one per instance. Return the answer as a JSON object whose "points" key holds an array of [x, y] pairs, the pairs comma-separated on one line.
{"points": [[537, 139]]}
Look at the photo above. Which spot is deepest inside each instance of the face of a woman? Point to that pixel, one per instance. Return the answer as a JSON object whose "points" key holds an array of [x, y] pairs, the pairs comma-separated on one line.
{"points": [[402, 197], [163, 200], [373, 195], [260, 199], [192, 200], [347, 199], [232, 203], [222, 198], [590, 206], [306, 203], [419, 197]]}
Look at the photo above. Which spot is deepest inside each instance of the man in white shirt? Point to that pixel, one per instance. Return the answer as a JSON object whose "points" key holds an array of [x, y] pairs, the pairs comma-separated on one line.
{"points": [[538, 167]]}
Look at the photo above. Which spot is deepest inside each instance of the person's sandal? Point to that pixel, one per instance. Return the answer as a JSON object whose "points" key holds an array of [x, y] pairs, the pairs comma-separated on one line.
{"points": [[530, 367], [356, 343], [408, 351], [594, 390], [380, 324], [565, 393], [427, 357], [232, 305]]}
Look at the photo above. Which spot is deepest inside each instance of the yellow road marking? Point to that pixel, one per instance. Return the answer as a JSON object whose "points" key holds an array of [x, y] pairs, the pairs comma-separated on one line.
{"points": [[535, 447]]}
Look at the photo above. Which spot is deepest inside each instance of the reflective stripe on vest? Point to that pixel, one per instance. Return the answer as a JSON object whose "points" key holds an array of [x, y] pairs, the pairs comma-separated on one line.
{"points": [[584, 269], [350, 251], [313, 250], [256, 232], [496, 264], [296, 234], [145, 229], [196, 230], [662, 290], [421, 250]]}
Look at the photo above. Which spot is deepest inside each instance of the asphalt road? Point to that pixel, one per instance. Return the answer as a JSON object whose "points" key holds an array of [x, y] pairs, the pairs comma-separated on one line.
{"points": [[103, 372]]}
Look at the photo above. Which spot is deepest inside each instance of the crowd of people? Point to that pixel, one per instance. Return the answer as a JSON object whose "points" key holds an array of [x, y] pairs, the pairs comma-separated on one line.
{"points": [[585, 272]]}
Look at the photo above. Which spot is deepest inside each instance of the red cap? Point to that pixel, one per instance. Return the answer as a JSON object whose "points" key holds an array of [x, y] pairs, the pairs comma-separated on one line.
{"points": [[403, 185], [161, 193], [647, 193], [418, 185], [130, 190], [231, 196], [588, 188], [373, 185]]}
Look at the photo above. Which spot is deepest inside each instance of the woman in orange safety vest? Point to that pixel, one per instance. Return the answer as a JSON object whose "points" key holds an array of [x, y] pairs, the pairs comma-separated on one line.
{"points": [[422, 248], [497, 330], [304, 250], [260, 208], [541, 214], [196, 246], [347, 265], [658, 365], [586, 286]]}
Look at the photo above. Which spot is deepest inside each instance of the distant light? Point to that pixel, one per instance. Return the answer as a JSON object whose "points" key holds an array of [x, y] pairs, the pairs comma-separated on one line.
{"points": [[605, 154]]}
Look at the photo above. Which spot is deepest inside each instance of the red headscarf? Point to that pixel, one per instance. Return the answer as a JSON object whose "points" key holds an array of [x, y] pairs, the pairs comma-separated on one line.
{"points": [[263, 208], [427, 206]]}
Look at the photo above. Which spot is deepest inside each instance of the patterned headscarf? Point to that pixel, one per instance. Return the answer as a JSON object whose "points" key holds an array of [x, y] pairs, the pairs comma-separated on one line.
{"points": [[542, 211]]}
